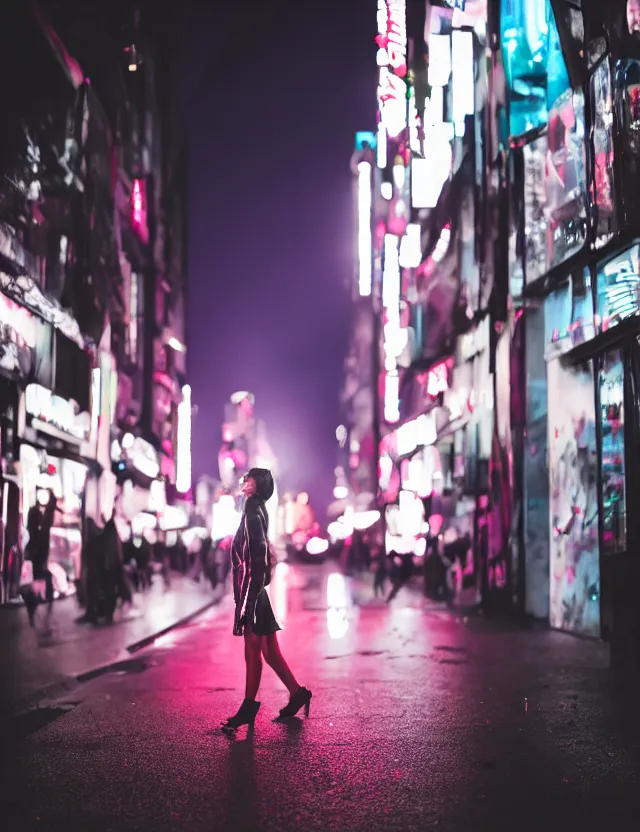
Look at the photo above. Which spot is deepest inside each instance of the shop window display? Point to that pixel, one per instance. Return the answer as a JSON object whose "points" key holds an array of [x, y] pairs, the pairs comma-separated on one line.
{"points": [[535, 223], [566, 209], [66, 479], [612, 459], [574, 597], [555, 170], [618, 289], [569, 318]]}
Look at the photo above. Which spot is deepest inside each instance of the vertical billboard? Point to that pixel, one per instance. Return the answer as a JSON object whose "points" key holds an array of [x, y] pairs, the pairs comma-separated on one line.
{"points": [[573, 506], [536, 479]]}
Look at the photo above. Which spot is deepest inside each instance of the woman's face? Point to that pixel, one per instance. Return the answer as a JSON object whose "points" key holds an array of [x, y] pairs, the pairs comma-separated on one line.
{"points": [[248, 487]]}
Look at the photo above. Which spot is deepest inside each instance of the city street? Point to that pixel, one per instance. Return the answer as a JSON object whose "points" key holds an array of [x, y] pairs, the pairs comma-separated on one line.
{"points": [[419, 720]]}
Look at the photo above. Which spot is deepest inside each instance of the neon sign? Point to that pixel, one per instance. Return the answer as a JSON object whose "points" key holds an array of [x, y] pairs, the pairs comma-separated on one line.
{"points": [[364, 228], [183, 473], [139, 209], [392, 60], [392, 35], [392, 397], [392, 102], [52, 412], [393, 344]]}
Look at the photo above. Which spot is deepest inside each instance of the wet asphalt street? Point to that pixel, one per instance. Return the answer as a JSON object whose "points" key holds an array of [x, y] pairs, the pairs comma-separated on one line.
{"points": [[419, 721]]}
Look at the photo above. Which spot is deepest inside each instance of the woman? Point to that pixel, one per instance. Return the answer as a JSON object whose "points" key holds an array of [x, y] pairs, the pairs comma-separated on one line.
{"points": [[254, 619]]}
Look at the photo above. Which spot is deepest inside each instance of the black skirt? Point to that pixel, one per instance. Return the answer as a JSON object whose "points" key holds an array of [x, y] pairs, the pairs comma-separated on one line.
{"points": [[260, 619]]}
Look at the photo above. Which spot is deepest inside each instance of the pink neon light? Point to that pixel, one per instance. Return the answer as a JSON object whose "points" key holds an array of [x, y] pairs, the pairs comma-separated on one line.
{"points": [[139, 210], [137, 202]]}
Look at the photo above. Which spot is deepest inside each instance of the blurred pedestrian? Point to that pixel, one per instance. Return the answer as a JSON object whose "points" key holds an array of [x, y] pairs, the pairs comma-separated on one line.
{"points": [[254, 618], [380, 578], [39, 523], [401, 573], [116, 585]]}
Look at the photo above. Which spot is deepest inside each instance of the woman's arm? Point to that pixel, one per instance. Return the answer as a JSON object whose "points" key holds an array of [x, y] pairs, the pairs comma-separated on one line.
{"points": [[256, 557], [258, 550]]}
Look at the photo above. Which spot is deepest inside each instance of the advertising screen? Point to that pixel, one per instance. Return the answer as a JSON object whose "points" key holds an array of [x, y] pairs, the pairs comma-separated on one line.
{"points": [[569, 318], [535, 223], [524, 34], [618, 289], [566, 178], [574, 595], [602, 184]]}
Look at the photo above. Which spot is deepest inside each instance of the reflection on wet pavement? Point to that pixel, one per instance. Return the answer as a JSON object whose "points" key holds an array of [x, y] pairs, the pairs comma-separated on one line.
{"points": [[338, 605], [417, 722]]}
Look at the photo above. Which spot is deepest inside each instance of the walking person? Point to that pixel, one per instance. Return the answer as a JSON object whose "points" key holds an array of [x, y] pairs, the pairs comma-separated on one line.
{"points": [[254, 618], [401, 573], [39, 523]]}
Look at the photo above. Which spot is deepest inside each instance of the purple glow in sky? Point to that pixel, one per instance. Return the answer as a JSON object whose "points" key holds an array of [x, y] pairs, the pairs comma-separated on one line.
{"points": [[272, 96]]}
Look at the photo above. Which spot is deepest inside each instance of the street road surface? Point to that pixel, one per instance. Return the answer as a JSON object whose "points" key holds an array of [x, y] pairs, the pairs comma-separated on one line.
{"points": [[419, 720]]}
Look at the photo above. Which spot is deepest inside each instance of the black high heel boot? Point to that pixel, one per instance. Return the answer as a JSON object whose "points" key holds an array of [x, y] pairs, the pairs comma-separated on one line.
{"points": [[246, 716], [301, 698]]}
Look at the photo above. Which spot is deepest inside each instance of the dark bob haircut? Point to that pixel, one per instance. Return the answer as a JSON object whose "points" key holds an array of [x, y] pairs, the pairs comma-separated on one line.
{"points": [[264, 482]]}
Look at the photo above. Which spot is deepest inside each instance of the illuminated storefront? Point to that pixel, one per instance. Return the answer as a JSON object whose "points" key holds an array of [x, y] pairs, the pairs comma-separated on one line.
{"points": [[574, 185], [45, 400], [55, 454]]}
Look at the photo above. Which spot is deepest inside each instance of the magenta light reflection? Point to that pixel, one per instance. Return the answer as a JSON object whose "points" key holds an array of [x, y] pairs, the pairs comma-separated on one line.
{"points": [[338, 603]]}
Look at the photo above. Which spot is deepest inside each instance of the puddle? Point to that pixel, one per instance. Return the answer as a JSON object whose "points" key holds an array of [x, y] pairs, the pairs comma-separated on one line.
{"points": [[30, 722]]}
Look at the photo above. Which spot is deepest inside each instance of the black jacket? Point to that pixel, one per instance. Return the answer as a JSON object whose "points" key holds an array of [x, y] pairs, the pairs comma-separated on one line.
{"points": [[250, 560]]}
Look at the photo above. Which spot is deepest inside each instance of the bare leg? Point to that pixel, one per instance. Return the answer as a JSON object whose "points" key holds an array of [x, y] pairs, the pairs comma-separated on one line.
{"points": [[275, 660], [253, 659]]}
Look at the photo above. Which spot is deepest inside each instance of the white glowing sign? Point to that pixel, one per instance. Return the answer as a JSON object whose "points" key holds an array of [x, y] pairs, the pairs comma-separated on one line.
{"points": [[429, 175], [439, 60], [392, 331], [420, 431], [183, 468], [364, 228], [392, 397], [392, 60], [51, 411], [392, 95], [144, 457], [392, 35], [463, 75], [410, 247]]}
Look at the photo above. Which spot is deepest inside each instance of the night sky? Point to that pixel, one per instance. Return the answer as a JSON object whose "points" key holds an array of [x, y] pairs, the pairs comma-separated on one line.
{"points": [[272, 94]]}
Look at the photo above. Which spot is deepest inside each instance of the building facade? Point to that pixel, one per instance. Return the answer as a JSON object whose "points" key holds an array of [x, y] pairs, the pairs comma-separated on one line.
{"points": [[92, 225], [497, 248]]}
